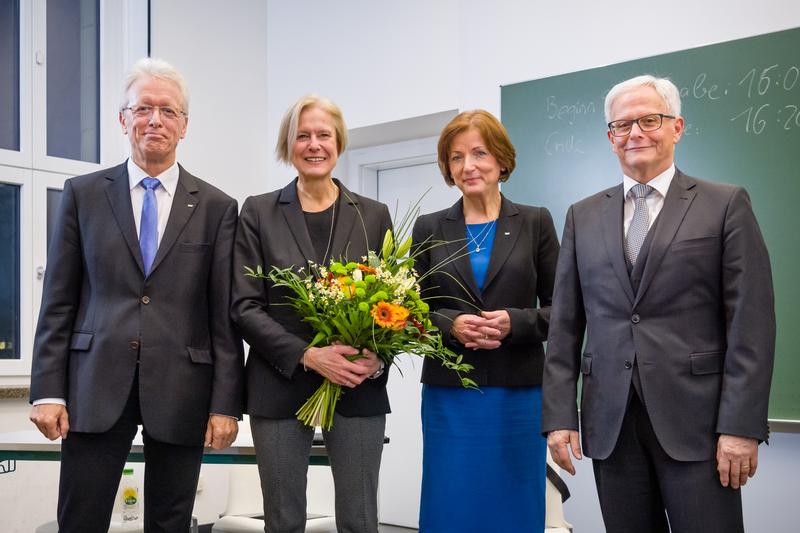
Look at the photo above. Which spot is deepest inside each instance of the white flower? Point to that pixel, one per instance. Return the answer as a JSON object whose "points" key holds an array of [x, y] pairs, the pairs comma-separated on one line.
{"points": [[357, 275]]}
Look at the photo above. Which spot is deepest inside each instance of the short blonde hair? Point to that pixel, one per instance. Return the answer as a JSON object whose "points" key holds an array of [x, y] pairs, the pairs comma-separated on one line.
{"points": [[291, 120], [153, 67], [492, 132]]}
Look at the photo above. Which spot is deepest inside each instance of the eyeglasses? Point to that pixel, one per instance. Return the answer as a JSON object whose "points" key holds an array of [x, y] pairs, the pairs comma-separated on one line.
{"points": [[146, 111], [621, 128]]}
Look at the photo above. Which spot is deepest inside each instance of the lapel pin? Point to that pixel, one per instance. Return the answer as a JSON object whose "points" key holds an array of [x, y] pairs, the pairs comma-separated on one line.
{"points": [[189, 205], [507, 233]]}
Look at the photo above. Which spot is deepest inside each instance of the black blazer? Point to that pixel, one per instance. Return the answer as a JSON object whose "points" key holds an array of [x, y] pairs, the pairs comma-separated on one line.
{"points": [[701, 327], [273, 232], [521, 271], [99, 312]]}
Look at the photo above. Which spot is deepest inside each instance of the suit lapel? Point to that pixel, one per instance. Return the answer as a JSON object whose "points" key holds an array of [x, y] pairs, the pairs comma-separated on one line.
{"points": [[347, 216], [183, 207], [506, 235], [679, 197], [454, 233], [293, 213], [612, 234], [118, 193]]}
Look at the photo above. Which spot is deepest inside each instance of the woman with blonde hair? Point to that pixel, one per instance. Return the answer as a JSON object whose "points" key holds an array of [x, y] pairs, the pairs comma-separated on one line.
{"points": [[313, 218]]}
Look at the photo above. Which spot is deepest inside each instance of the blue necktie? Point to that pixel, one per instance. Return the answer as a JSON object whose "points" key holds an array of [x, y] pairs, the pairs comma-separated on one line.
{"points": [[148, 228]]}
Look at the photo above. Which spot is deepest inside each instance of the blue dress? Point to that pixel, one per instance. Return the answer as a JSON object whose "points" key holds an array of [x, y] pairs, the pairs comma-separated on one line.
{"points": [[484, 459]]}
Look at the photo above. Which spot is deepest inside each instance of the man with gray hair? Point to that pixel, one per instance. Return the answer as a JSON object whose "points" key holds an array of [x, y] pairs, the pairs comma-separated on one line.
{"points": [[670, 278], [134, 327]]}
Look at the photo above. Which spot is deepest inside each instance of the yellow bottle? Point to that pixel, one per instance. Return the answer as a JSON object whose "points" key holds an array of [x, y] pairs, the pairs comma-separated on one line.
{"points": [[130, 496]]}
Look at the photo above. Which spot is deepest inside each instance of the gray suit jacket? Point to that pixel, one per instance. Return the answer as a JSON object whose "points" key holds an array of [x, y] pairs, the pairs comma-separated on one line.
{"points": [[99, 312], [701, 326]]}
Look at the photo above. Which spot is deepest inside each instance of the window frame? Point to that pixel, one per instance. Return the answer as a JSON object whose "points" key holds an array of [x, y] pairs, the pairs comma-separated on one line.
{"points": [[124, 34]]}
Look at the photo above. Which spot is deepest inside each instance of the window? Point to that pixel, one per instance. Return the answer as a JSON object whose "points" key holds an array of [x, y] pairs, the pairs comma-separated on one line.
{"points": [[9, 74], [9, 271], [57, 120], [73, 79]]}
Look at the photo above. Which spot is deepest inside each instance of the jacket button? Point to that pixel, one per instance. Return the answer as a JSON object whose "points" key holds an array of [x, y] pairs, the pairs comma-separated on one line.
{"points": [[634, 318], [146, 300], [628, 365], [134, 345]]}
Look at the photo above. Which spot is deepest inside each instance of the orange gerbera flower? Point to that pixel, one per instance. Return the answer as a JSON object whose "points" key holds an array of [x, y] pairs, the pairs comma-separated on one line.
{"points": [[389, 316], [382, 313], [400, 315]]}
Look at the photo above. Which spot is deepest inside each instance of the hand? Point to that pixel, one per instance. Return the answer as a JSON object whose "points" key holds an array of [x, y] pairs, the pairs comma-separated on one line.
{"points": [[499, 320], [221, 431], [331, 362], [737, 460], [560, 442], [475, 332], [370, 362], [52, 420]]}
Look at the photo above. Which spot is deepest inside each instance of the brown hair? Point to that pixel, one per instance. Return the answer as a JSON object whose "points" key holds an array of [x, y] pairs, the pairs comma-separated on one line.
{"points": [[493, 134]]}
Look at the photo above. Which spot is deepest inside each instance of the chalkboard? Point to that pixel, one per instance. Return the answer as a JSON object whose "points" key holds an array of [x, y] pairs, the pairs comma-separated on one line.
{"points": [[741, 103]]}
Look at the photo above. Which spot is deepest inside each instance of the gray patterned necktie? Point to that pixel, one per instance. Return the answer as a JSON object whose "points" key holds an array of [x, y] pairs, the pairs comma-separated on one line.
{"points": [[640, 223]]}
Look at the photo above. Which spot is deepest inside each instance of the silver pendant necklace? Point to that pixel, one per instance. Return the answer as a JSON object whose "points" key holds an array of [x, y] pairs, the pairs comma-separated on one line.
{"points": [[485, 231]]}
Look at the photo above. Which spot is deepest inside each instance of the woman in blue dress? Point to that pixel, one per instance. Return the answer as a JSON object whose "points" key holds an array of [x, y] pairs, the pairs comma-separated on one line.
{"points": [[490, 288]]}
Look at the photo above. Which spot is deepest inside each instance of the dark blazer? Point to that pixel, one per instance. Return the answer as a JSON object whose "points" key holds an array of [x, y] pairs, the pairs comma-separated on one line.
{"points": [[701, 326], [521, 271], [99, 313], [273, 232]]}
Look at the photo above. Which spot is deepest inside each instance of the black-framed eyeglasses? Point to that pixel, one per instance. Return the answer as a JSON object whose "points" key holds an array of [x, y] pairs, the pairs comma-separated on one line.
{"points": [[146, 111], [621, 128]]}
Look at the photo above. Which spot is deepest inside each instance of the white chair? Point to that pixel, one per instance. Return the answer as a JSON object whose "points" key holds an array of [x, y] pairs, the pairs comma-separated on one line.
{"points": [[554, 521], [244, 503]]}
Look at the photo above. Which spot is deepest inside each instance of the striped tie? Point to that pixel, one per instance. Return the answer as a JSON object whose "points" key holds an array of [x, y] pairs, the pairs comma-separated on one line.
{"points": [[640, 222]]}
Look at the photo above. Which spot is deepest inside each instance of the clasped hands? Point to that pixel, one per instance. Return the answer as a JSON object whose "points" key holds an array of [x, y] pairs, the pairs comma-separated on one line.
{"points": [[482, 332], [737, 457], [332, 363]]}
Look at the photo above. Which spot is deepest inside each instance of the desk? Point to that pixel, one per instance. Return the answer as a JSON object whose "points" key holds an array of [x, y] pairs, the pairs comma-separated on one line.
{"points": [[33, 446]]}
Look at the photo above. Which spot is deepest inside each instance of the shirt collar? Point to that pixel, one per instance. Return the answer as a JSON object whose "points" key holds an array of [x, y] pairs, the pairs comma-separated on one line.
{"points": [[659, 183], [168, 178]]}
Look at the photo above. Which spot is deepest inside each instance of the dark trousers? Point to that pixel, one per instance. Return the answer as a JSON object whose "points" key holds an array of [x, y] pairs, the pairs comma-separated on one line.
{"points": [[91, 468], [643, 490]]}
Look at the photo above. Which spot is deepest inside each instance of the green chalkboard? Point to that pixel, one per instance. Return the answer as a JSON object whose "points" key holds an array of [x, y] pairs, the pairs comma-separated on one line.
{"points": [[741, 103]]}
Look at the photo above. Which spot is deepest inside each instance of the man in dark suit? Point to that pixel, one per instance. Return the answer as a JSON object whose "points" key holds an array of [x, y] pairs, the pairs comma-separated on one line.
{"points": [[670, 277], [134, 326]]}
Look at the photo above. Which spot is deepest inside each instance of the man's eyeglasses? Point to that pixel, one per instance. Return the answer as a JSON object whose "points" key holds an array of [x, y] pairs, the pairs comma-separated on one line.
{"points": [[621, 128], [146, 111]]}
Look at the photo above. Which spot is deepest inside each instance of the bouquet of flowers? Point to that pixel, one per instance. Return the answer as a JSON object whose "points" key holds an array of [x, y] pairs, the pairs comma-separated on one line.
{"points": [[373, 304]]}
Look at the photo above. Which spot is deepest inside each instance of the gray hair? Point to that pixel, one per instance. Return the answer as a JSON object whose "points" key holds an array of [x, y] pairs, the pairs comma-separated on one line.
{"points": [[151, 67], [663, 86], [291, 119]]}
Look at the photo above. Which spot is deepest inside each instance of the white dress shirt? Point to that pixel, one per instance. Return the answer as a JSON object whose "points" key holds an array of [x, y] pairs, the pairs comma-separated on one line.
{"points": [[164, 195], [655, 201]]}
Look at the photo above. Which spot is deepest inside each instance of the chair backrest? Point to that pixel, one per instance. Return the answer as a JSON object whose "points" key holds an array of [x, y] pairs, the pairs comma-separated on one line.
{"points": [[244, 492], [554, 507]]}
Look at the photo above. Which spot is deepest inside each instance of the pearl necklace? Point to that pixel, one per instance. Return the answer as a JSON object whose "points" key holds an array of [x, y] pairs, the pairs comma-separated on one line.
{"points": [[486, 231]]}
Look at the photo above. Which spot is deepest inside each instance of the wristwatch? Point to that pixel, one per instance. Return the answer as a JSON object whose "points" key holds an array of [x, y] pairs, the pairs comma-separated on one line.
{"points": [[378, 373]]}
